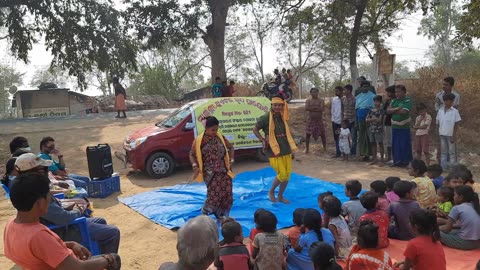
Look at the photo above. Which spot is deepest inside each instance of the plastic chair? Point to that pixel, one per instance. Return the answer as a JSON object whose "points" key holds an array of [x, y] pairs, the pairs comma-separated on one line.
{"points": [[7, 191]]}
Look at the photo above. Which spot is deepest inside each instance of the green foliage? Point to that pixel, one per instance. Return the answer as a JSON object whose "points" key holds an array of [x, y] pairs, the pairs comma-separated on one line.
{"points": [[80, 34], [8, 78], [49, 75], [469, 24]]}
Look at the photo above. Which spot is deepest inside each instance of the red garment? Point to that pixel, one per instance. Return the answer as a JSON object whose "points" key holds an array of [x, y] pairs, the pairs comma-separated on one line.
{"points": [[233, 256], [228, 91], [425, 254], [368, 259], [382, 220], [253, 233], [293, 234]]}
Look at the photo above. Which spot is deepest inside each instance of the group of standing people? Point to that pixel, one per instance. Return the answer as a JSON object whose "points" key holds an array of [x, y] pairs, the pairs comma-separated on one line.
{"points": [[221, 89], [366, 124]]}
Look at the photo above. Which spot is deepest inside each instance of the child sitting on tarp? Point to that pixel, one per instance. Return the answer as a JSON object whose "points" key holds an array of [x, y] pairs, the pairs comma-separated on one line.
{"points": [[232, 253]]}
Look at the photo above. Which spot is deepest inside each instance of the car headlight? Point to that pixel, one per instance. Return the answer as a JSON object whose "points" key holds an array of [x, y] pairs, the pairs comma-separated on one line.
{"points": [[137, 142]]}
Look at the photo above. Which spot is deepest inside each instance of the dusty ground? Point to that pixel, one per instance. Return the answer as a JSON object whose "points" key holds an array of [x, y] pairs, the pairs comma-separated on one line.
{"points": [[145, 245]]}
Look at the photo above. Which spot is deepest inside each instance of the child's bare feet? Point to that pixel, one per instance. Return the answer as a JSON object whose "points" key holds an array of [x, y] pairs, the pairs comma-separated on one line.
{"points": [[283, 200], [271, 196]]}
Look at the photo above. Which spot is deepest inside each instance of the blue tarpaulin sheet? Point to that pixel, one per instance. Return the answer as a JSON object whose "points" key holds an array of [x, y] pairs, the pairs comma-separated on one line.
{"points": [[172, 207]]}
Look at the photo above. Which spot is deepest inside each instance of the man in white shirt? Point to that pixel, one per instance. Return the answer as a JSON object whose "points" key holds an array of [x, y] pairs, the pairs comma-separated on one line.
{"points": [[447, 119], [447, 84], [337, 113]]}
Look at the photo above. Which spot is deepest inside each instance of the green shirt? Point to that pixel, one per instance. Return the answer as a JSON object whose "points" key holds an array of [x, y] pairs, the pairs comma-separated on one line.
{"points": [[263, 123], [404, 103], [445, 207]]}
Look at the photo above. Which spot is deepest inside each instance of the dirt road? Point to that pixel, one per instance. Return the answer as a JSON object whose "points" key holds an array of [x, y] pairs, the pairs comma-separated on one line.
{"points": [[145, 245]]}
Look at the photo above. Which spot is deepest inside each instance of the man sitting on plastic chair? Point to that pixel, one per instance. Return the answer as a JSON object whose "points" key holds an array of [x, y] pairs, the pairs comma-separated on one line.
{"points": [[32, 245], [107, 236]]}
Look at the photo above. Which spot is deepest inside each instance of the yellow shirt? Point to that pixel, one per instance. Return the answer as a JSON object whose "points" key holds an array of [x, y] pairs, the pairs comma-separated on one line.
{"points": [[425, 192]]}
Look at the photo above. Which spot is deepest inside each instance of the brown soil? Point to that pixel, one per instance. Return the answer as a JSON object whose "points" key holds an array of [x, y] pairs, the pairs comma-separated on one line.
{"points": [[144, 244]]}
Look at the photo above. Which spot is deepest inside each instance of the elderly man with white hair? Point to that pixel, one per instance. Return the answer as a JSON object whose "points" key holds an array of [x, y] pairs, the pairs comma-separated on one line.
{"points": [[197, 243]]}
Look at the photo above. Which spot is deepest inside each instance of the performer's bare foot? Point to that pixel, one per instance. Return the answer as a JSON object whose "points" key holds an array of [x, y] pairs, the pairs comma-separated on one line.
{"points": [[283, 200], [271, 196]]}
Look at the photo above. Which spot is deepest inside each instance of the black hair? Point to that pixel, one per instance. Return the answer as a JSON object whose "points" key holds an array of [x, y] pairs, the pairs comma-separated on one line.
{"points": [[367, 236], [230, 230], [461, 171], [45, 141], [314, 89], [425, 221], [361, 78], [115, 79], [401, 188], [312, 219], [369, 200], [469, 196], [379, 186], [19, 152], [256, 217], [332, 206], [378, 98], [421, 106], [390, 182], [9, 167], [288, 70], [323, 256], [419, 166], [401, 87], [354, 186], [448, 96], [16, 143], [435, 168], [449, 177], [322, 196], [268, 222], [298, 216], [211, 121], [346, 122], [349, 87], [217, 78], [447, 192], [279, 96], [27, 189], [449, 80], [390, 89], [232, 82], [365, 83], [338, 87]]}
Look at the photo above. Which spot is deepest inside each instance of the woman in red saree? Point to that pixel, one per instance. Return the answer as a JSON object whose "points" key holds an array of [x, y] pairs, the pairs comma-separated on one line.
{"points": [[120, 96]]}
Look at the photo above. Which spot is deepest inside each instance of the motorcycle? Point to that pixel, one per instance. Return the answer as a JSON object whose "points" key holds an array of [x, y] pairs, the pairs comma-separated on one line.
{"points": [[271, 90]]}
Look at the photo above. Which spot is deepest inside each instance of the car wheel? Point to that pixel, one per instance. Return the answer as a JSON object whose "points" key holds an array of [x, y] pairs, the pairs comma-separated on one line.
{"points": [[261, 157], [160, 165]]}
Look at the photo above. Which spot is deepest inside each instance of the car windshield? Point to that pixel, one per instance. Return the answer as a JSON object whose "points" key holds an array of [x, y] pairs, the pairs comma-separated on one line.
{"points": [[175, 118]]}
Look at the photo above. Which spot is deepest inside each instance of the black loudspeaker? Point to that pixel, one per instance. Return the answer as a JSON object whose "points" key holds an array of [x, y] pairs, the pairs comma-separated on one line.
{"points": [[99, 160]]}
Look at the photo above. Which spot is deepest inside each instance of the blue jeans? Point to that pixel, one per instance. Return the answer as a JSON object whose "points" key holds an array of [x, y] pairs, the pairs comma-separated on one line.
{"points": [[107, 236], [79, 180]]}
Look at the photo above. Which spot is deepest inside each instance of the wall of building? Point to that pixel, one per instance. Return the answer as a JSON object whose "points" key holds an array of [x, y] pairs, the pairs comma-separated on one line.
{"points": [[43, 103]]}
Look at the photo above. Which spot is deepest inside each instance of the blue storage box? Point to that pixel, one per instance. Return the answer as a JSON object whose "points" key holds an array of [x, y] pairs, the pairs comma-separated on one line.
{"points": [[103, 188]]}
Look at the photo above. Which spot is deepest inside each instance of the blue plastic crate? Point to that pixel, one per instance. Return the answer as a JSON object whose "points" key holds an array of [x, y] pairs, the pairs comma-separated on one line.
{"points": [[103, 188]]}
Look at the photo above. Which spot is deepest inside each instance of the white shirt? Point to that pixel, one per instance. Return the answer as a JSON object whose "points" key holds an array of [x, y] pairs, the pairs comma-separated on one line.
{"points": [[344, 135], [337, 110], [439, 99], [446, 121]]}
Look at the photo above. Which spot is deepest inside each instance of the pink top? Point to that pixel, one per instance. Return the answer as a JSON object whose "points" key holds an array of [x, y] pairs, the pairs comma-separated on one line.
{"points": [[383, 204], [392, 196]]}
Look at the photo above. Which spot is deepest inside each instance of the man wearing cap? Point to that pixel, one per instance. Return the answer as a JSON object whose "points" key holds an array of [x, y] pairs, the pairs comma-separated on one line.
{"points": [[359, 90], [278, 145], [47, 148]]}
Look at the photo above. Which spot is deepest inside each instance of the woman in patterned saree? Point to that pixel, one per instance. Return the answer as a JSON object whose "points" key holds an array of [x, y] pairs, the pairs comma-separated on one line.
{"points": [[211, 157]]}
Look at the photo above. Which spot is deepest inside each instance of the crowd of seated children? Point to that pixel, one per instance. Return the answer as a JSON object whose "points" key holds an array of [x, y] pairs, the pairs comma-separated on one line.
{"points": [[369, 200], [257, 229], [380, 187], [434, 172], [366, 254], [352, 210], [299, 258], [323, 257], [425, 191], [401, 210], [293, 234], [32, 245], [325, 218], [232, 253], [338, 226], [390, 194], [444, 204]]}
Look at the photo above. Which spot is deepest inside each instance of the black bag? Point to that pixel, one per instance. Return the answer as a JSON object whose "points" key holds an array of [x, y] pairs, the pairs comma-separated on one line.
{"points": [[99, 160]]}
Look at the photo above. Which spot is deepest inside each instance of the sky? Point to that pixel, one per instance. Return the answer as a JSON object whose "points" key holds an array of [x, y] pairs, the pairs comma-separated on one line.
{"points": [[405, 43]]}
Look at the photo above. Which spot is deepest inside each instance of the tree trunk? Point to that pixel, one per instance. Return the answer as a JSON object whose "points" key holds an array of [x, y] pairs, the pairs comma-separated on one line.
{"points": [[215, 36], [362, 4]]}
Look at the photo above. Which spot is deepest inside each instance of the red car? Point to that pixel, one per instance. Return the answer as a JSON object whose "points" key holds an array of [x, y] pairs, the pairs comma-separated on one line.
{"points": [[160, 148]]}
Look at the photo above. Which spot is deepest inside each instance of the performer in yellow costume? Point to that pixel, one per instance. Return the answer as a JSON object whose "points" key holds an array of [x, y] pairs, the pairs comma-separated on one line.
{"points": [[278, 145]]}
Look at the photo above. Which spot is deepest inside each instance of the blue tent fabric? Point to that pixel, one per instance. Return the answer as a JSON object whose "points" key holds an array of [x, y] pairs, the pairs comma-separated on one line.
{"points": [[172, 207]]}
